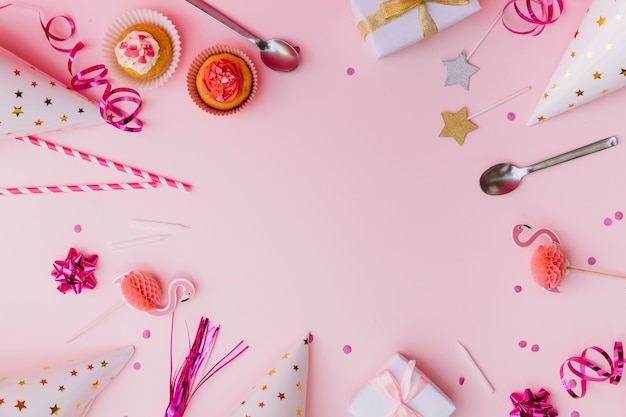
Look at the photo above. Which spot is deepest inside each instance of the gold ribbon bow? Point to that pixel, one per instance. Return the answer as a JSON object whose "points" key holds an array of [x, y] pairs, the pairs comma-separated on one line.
{"points": [[390, 10]]}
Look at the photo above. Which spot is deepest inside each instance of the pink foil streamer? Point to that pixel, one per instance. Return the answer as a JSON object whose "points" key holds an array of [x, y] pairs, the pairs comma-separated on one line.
{"points": [[75, 272], [94, 76], [591, 371], [550, 11], [183, 384], [528, 404]]}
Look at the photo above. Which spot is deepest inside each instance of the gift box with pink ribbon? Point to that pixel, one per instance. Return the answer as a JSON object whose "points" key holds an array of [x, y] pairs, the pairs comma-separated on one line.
{"points": [[401, 389], [391, 25]]}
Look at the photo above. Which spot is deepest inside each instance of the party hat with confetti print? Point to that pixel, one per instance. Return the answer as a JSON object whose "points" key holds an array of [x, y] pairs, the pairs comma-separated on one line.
{"points": [[593, 64], [282, 391], [67, 389], [32, 102]]}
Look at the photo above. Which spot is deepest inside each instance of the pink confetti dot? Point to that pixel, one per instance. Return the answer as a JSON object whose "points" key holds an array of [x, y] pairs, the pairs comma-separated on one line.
{"points": [[518, 288], [522, 343], [461, 380], [510, 115], [137, 365], [347, 349], [575, 414], [571, 383], [146, 334], [591, 260], [619, 215], [608, 222], [350, 71], [534, 348], [310, 338], [78, 228]]}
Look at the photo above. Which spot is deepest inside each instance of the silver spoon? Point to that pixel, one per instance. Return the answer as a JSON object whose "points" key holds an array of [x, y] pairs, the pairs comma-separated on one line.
{"points": [[277, 54], [504, 178]]}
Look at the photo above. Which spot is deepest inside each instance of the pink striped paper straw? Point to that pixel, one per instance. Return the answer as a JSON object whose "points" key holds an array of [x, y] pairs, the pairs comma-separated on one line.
{"points": [[78, 188], [105, 162]]}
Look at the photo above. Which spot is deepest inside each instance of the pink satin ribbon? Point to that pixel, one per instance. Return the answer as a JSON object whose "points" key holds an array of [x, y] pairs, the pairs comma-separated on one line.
{"points": [[111, 109], [590, 371], [401, 393], [549, 12]]}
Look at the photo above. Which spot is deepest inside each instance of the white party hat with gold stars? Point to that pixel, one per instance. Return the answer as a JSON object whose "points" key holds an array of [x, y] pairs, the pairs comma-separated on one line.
{"points": [[593, 64], [62, 390], [32, 102], [282, 391]]}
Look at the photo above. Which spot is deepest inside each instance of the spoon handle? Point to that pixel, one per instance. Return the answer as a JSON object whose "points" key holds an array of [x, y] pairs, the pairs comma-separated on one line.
{"points": [[576, 153], [225, 20]]}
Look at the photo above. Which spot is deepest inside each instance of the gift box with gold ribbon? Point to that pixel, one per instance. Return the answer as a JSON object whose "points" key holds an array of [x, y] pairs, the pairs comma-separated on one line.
{"points": [[401, 389], [391, 25]]}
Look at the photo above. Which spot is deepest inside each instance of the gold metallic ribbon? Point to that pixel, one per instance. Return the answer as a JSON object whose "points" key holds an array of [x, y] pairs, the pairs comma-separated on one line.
{"points": [[390, 10]]}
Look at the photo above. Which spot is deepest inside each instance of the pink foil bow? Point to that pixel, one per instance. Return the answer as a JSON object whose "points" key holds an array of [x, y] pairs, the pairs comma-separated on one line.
{"points": [[528, 404], [75, 272], [548, 12], [401, 393], [590, 371], [183, 384]]}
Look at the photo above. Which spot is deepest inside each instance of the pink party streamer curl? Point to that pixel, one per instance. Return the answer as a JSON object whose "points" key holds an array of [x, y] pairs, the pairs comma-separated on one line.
{"points": [[183, 384], [591, 371], [94, 76], [549, 12], [104, 162]]}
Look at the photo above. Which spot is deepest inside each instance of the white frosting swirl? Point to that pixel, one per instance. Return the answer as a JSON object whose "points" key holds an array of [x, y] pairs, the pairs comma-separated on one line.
{"points": [[138, 51]]}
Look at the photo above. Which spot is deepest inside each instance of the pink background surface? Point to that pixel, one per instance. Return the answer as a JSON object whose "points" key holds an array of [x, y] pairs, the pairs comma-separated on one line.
{"points": [[328, 205]]}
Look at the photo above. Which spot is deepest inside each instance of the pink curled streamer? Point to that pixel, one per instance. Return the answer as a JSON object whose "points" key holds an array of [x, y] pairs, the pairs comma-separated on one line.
{"points": [[590, 371], [94, 76], [551, 10]]}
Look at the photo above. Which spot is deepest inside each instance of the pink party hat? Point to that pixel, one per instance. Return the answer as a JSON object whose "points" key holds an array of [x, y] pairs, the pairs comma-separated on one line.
{"points": [[282, 391], [32, 102], [593, 63], [67, 389]]}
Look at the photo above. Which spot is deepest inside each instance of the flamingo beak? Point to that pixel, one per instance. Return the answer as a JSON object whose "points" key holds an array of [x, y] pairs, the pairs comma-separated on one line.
{"points": [[185, 297]]}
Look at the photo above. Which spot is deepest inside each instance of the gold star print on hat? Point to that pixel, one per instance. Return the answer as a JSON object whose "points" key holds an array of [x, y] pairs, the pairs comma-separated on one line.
{"points": [[282, 390], [64, 390], [32, 102]]}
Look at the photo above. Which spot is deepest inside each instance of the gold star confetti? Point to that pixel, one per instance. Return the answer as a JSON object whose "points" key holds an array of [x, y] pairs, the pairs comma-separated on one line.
{"points": [[38, 122], [623, 72], [299, 386], [54, 410], [580, 93], [604, 91], [103, 364], [64, 118], [264, 387], [95, 385], [541, 119], [601, 21], [573, 54], [545, 95], [589, 54], [608, 46], [61, 388], [286, 356], [298, 412], [272, 371], [17, 111], [597, 75], [457, 125], [18, 94]]}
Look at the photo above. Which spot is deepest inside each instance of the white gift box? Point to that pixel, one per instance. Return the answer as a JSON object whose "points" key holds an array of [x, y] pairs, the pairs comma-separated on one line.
{"points": [[423, 397], [405, 29], [593, 64]]}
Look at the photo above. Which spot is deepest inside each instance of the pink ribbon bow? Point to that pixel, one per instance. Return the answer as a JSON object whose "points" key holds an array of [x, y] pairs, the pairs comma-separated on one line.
{"points": [[75, 272], [401, 393], [528, 404], [580, 366]]}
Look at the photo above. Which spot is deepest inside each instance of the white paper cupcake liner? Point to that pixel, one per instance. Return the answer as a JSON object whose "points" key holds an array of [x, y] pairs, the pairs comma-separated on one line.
{"points": [[195, 67], [119, 26]]}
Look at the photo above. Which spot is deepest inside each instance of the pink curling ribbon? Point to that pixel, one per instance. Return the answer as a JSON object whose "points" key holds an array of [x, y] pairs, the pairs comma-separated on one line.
{"points": [[590, 371], [401, 393], [528, 404], [75, 272], [94, 76], [549, 12]]}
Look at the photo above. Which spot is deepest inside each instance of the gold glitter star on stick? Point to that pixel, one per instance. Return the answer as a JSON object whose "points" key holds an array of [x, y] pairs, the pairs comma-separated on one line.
{"points": [[458, 125]]}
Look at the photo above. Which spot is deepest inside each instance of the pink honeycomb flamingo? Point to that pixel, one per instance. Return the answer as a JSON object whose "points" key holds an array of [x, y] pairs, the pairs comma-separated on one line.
{"points": [[142, 291]]}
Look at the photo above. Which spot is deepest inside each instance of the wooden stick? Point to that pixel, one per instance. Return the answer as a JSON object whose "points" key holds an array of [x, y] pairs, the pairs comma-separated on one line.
{"points": [[97, 320], [482, 39], [496, 104], [606, 274]]}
